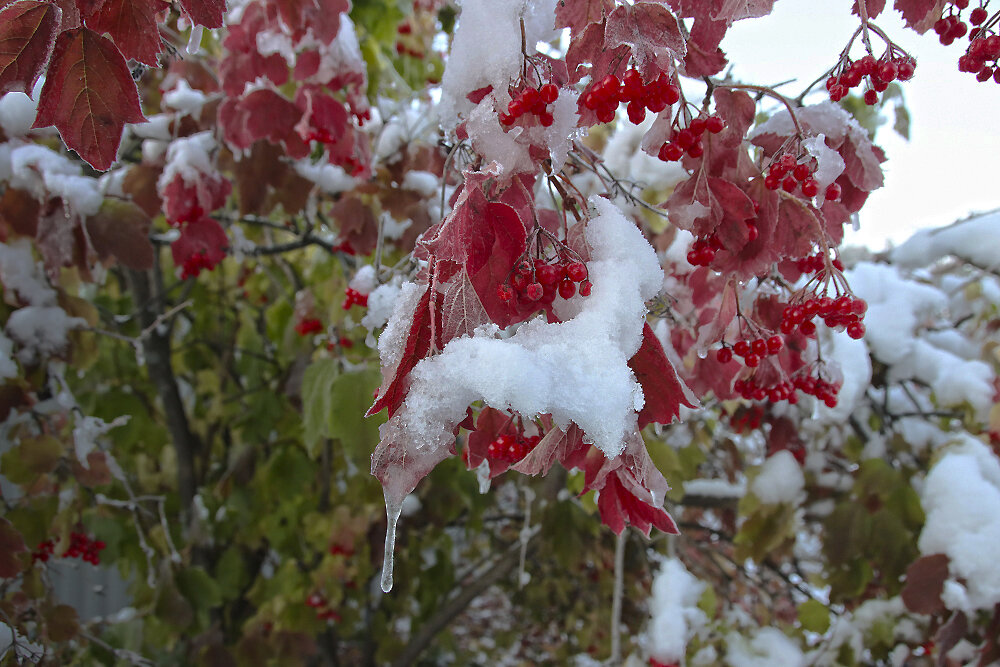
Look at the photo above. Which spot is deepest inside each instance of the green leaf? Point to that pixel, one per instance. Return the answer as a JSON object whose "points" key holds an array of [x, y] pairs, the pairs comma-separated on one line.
{"points": [[317, 388], [201, 590], [814, 616], [25, 463]]}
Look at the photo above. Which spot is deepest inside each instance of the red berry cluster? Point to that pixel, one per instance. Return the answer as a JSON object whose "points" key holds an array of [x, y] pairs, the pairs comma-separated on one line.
{"points": [[688, 139], [308, 325], [80, 546], [511, 448], [952, 27], [790, 175], [894, 65], [605, 96], [354, 297], [746, 417], [751, 351], [982, 57], [703, 249], [785, 390], [321, 605], [816, 263], [541, 281], [845, 311], [534, 101]]}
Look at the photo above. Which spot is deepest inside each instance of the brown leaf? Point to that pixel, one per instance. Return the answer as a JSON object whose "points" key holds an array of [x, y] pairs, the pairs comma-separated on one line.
{"points": [[924, 584], [19, 211], [120, 229], [11, 544], [62, 623]]}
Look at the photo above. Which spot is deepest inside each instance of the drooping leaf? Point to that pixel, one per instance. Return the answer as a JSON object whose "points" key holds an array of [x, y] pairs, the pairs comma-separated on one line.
{"points": [[133, 27], [27, 34], [89, 96], [924, 584], [920, 14], [209, 13], [202, 245], [664, 391], [652, 33], [62, 623], [578, 14], [120, 229]]}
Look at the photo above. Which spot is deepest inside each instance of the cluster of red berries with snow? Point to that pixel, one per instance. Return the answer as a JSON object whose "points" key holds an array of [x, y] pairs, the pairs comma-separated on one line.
{"points": [[790, 175], [894, 65], [751, 351], [843, 311], [540, 280], [605, 96], [511, 448], [982, 54], [688, 139], [353, 297], [80, 546], [816, 263], [535, 101]]}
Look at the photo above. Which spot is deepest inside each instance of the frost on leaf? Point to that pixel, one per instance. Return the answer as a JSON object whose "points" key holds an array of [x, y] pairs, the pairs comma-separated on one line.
{"points": [[920, 14], [650, 31], [27, 32], [578, 14], [89, 96], [133, 27]]}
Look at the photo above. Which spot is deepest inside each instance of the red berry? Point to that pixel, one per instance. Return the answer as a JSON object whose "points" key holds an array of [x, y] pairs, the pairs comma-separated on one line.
{"points": [[632, 84], [871, 97], [714, 124], [832, 192], [741, 348], [810, 187], [752, 360], [548, 274], [606, 113], [524, 267], [887, 71], [585, 288], [774, 344], [567, 288], [807, 328], [698, 126], [636, 112], [801, 172], [671, 94], [759, 347], [696, 149], [576, 271], [549, 93], [724, 355], [671, 153], [789, 184], [905, 69]]}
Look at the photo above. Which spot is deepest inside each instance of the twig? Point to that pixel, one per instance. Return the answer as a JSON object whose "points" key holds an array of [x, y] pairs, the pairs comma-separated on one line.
{"points": [[616, 600]]}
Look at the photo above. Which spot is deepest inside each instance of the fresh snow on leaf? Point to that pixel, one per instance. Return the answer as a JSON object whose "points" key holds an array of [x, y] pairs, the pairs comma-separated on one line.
{"points": [[976, 240], [780, 480], [767, 647], [674, 613], [961, 497]]}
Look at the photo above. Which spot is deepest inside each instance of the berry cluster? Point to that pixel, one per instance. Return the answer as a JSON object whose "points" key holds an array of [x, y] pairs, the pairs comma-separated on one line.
{"points": [[535, 101], [816, 263], [845, 311], [511, 448], [80, 546], [354, 297], [540, 280], [746, 417], [605, 96], [785, 390], [321, 605], [688, 139], [751, 351], [308, 325], [789, 174], [894, 65]]}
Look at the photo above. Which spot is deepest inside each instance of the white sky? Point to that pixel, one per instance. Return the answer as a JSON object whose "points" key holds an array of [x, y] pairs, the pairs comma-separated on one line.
{"points": [[946, 170]]}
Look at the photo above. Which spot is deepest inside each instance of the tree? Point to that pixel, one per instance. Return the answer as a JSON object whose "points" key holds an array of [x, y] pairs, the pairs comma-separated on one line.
{"points": [[251, 263]]}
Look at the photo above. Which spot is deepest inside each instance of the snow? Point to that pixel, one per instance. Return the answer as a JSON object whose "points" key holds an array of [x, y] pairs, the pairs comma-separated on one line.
{"points": [[44, 173], [184, 98], [768, 647], [826, 118], [380, 306], [714, 488], [40, 330], [365, 280], [829, 164], [8, 369], [976, 240], [560, 135], [17, 114], [675, 615], [190, 158], [856, 368], [330, 178], [538, 369], [21, 274], [780, 480], [961, 498], [486, 49], [494, 143], [422, 182]]}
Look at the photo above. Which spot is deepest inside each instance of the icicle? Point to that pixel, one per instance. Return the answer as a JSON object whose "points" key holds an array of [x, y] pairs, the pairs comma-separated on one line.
{"points": [[194, 41], [483, 476], [392, 511]]}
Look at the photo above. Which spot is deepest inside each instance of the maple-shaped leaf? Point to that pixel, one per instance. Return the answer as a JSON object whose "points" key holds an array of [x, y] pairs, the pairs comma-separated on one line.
{"points": [[133, 26], [185, 201], [619, 506], [920, 15], [89, 96], [872, 7], [664, 391], [736, 10], [590, 47], [704, 57], [120, 229], [651, 31], [578, 14], [209, 13], [555, 445], [320, 16], [490, 424], [27, 33], [243, 62], [11, 544], [356, 223], [461, 308], [262, 114], [201, 245]]}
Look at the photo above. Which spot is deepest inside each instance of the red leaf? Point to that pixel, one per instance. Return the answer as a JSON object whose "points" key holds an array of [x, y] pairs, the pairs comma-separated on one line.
{"points": [[27, 33], [920, 14], [461, 309], [735, 10], [209, 13], [89, 95], [395, 383], [872, 7], [263, 114], [589, 47], [578, 14], [618, 506], [132, 25], [490, 424], [664, 391], [556, 445], [243, 62], [704, 57], [186, 202], [11, 544], [924, 584], [322, 17], [652, 33], [202, 245]]}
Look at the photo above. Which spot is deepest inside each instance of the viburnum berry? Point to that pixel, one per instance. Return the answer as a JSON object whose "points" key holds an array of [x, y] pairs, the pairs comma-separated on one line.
{"points": [[752, 360], [714, 124], [585, 287], [832, 192], [871, 97], [576, 271], [534, 291], [549, 93], [774, 344], [567, 288], [810, 187], [759, 347], [741, 348], [505, 292], [724, 355], [353, 297]]}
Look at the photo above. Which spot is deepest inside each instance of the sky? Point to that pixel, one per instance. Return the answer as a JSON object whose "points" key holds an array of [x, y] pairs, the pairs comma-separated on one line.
{"points": [[947, 169]]}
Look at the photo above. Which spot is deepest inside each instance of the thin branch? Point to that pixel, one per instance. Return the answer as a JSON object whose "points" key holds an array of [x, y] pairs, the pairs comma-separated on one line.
{"points": [[616, 600]]}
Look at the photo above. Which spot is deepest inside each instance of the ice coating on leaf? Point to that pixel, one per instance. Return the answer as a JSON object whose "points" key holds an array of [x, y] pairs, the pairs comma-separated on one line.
{"points": [[976, 240], [899, 310], [486, 50], [575, 370], [675, 615], [780, 480], [967, 476]]}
